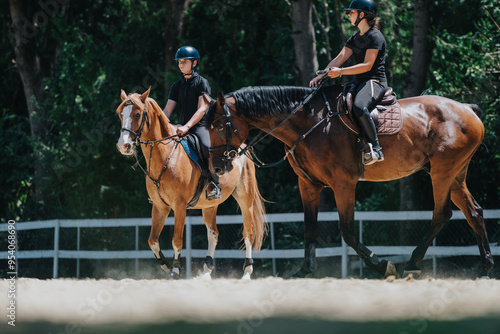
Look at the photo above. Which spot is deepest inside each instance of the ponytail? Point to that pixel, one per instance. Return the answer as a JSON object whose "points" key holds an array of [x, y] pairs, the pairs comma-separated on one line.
{"points": [[373, 22]]}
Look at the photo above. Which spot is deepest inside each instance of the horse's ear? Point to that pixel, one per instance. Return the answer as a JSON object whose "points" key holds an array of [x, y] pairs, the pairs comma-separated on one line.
{"points": [[145, 95], [123, 95], [220, 99]]}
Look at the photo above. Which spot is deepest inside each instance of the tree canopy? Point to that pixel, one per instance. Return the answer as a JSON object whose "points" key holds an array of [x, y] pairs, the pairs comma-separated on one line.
{"points": [[88, 51]]}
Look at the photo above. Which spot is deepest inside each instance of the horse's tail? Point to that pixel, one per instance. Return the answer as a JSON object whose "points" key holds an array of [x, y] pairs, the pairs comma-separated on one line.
{"points": [[476, 110], [259, 213]]}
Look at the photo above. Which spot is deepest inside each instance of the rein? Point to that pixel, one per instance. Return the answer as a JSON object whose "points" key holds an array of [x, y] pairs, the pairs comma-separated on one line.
{"points": [[231, 153], [301, 138], [255, 141]]}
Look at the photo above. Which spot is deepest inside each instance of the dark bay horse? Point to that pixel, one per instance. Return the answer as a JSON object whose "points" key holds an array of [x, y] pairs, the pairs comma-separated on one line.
{"points": [[172, 179], [438, 135]]}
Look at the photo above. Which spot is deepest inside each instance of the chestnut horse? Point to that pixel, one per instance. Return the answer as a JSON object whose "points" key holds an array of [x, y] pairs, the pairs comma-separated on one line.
{"points": [[172, 179], [438, 135]]}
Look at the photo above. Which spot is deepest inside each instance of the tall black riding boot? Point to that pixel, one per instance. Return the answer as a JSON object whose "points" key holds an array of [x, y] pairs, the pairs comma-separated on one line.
{"points": [[370, 132], [214, 193]]}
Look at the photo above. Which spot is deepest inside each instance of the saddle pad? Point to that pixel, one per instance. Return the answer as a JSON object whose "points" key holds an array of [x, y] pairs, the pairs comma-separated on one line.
{"points": [[191, 152], [387, 120]]}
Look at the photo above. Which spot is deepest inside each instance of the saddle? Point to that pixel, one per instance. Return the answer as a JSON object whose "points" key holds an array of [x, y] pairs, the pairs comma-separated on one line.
{"points": [[386, 115], [191, 144]]}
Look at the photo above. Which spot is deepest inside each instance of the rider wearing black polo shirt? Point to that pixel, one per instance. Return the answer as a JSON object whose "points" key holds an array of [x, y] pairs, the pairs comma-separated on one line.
{"points": [[187, 94], [368, 48]]}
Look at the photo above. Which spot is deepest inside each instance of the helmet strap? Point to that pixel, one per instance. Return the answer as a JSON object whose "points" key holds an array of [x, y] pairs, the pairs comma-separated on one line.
{"points": [[358, 19], [188, 74]]}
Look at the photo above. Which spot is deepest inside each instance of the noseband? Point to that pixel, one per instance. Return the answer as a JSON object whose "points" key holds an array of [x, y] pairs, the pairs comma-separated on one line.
{"points": [[145, 118], [231, 152]]}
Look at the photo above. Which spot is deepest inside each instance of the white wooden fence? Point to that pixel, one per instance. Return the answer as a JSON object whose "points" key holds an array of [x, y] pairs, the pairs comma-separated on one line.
{"points": [[401, 252]]}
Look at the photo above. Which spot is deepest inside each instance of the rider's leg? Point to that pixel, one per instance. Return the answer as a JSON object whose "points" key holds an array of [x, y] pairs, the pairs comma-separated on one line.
{"points": [[367, 96], [213, 186]]}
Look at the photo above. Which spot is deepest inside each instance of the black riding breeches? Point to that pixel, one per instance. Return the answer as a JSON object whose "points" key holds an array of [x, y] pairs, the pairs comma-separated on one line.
{"points": [[367, 95], [204, 137]]}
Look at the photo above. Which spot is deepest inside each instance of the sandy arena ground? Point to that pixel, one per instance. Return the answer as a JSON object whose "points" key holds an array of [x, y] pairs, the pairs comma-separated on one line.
{"points": [[99, 302]]}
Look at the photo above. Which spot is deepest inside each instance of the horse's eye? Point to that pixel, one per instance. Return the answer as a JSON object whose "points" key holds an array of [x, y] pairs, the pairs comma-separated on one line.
{"points": [[138, 115], [220, 127]]}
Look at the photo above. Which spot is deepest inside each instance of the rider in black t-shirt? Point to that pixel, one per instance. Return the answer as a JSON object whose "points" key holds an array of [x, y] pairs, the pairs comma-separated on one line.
{"points": [[187, 94], [368, 47]]}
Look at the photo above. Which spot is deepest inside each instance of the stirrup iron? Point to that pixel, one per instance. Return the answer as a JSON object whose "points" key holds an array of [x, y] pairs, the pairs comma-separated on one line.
{"points": [[214, 193], [372, 157]]}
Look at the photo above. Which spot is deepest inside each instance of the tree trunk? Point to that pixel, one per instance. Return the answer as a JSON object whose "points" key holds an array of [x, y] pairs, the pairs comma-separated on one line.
{"points": [[339, 15], [174, 29], [28, 61], [30, 71], [306, 63], [325, 28], [422, 53], [33, 63], [422, 49]]}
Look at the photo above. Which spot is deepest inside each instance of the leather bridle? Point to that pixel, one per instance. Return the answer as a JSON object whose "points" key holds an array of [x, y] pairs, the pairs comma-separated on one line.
{"points": [[230, 152], [144, 118]]}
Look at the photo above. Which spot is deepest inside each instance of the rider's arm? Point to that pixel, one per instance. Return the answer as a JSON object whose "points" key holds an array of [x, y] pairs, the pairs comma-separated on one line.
{"points": [[169, 108], [198, 115], [365, 66], [343, 55]]}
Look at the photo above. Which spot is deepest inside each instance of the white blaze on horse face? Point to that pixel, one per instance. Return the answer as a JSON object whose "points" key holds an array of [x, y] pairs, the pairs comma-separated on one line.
{"points": [[125, 135]]}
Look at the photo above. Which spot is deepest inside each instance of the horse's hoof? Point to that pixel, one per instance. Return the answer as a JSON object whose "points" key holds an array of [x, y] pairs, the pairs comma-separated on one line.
{"points": [[390, 270], [412, 274], [483, 277], [246, 277], [385, 268]]}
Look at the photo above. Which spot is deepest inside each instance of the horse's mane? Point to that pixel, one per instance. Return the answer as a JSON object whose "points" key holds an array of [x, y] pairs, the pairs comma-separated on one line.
{"points": [[264, 101], [155, 106]]}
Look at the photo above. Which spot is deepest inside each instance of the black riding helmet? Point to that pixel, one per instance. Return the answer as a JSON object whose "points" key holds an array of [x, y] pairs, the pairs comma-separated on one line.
{"points": [[369, 7], [188, 52]]}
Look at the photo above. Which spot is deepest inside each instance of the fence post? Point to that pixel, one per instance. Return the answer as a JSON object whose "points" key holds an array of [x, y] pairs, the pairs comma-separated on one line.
{"points": [[272, 247], [188, 247], [137, 248], [361, 263], [55, 267], [78, 250], [434, 261]]}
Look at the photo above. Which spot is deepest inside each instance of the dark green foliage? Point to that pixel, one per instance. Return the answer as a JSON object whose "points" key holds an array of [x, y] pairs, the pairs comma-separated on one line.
{"points": [[105, 46]]}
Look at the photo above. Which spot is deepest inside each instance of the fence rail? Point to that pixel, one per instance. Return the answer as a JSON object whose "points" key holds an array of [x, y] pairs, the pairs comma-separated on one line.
{"points": [[343, 251]]}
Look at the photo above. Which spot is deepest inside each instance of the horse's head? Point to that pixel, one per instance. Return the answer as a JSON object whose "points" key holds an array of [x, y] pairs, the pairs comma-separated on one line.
{"points": [[134, 117], [227, 131]]}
